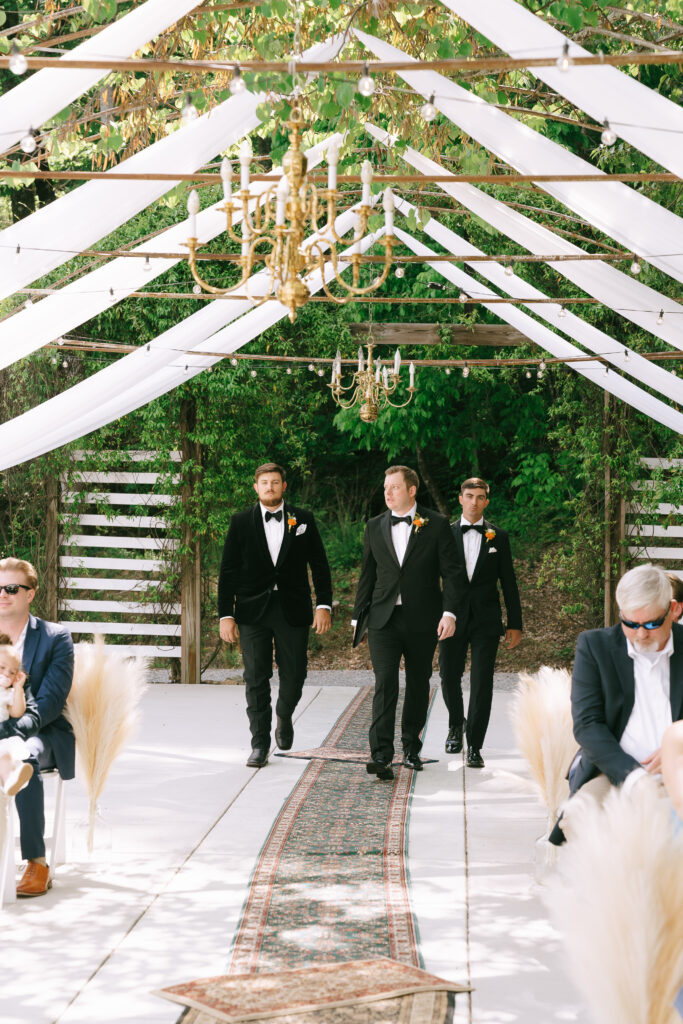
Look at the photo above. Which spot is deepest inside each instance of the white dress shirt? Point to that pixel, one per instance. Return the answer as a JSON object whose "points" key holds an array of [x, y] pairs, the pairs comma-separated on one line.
{"points": [[19, 645], [472, 544], [275, 531], [651, 713], [400, 535]]}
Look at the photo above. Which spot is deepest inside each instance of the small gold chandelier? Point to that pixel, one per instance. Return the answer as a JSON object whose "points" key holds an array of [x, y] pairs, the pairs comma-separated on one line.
{"points": [[283, 230], [372, 384]]}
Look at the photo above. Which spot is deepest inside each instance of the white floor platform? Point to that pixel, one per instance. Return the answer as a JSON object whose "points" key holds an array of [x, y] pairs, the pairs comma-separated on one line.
{"points": [[183, 822]]}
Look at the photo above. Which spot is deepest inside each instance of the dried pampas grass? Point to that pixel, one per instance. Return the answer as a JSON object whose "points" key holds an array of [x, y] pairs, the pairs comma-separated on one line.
{"points": [[542, 725], [618, 903], [103, 708]]}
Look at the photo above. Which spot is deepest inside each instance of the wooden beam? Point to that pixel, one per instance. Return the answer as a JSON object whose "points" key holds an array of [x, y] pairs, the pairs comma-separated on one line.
{"points": [[490, 335]]}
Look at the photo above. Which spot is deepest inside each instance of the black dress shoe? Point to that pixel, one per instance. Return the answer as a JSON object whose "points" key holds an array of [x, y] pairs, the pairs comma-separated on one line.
{"points": [[381, 768], [454, 740], [284, 733], [257, 758], [474, 758], [413, 761]]}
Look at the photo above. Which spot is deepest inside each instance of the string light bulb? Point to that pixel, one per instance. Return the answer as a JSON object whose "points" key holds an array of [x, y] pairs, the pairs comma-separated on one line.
{"points": [[660, 318], [147, 265], [448, 371], [233, 361], [29, 143], [17, 254], [635, 266], [253, 373], [18, 64], [428, 110], [463, 296], [562, 313], [311, 367], [528, 374], [196, 289], [465, 370], [400, 272], [509, 270], [189, 111], [541, 366], [539, 373], [237, 83], [366, 83], [564, 61], [626, 355], [608, 137]]}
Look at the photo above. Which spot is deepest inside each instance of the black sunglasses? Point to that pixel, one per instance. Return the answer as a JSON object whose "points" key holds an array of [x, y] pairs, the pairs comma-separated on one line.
{"points": [[13, 588], [654, 624]]}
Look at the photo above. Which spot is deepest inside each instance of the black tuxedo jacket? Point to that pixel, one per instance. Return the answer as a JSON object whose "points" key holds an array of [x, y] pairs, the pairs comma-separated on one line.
{"points": [[48, 662], [248, 576], [603, 695], [478, 600], [430, 557]]}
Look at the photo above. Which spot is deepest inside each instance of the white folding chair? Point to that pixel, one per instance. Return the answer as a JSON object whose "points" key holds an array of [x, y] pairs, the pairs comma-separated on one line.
{"points": [[56, 841]]}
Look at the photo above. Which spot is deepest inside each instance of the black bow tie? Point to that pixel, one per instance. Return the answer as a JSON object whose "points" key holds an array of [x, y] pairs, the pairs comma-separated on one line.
{"points": [[480, 529], [274, 515], [395, 520]]}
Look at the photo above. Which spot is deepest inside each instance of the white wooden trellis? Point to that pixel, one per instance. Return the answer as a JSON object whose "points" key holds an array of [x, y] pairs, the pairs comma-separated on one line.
{"points": [[139, 541], [660, 538]]}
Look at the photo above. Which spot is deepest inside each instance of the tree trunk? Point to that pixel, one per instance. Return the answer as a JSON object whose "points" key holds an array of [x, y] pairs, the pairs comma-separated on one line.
{"points": [[190, 596], [430, 483]]}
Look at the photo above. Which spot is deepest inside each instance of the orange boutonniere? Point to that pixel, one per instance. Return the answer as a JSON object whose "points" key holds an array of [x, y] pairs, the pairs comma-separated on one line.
{"points": [[291, 522], [419, 522], [490, 534]]}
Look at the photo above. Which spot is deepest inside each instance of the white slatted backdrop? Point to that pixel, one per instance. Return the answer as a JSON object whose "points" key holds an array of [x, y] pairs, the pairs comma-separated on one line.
{"points": [[657, 530], [119, 557]]}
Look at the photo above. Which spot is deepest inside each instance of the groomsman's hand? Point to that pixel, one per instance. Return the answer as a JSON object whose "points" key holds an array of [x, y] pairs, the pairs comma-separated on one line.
{"points": [[512, 638], [446, 627], [228, 630], [322, 620]]}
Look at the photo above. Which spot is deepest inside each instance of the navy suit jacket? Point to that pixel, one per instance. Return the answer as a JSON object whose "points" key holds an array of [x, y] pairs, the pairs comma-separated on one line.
{"points": [[603, 695], [49, 664]]}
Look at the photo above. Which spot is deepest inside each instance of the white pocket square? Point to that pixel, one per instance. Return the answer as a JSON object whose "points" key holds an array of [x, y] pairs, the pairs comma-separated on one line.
{"points": [[492, 551], [301, 529]]}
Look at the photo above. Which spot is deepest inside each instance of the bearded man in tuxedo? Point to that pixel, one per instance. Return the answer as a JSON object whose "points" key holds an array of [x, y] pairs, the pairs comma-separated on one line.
{"points": [[263, 589], [485, 561], [408, 551]]}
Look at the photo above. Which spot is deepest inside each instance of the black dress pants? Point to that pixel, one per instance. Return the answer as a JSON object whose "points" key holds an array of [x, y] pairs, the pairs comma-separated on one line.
{"points": [[452, 656], [387, 645], [271, 633]]}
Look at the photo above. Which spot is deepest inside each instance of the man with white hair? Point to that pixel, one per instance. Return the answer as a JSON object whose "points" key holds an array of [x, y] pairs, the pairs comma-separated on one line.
{"points": [[627, 688]]}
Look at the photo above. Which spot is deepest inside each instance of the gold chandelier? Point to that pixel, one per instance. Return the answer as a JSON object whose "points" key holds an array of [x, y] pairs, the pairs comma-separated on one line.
{"points": [[372, 385], [283, 231]]}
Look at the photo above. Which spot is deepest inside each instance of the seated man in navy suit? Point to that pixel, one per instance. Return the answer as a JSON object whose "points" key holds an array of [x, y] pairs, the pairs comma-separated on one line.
{"points": [[627, 689], [47, 656]]}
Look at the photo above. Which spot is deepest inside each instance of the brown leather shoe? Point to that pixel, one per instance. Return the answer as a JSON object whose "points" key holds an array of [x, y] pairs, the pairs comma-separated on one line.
{"points": [[35, 881]]}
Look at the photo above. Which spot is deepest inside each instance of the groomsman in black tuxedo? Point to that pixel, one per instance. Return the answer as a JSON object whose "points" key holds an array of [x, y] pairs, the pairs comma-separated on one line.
{"points": [[408, 551], [263, 588], [484, 560]]}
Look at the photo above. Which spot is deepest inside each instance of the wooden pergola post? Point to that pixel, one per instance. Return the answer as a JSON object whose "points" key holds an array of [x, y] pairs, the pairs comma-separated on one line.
{"points": [[190, 593], [50, 580]]}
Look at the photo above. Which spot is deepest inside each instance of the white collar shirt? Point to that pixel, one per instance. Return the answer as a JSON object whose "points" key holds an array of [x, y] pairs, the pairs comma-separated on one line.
{"points": [[652, 705], [19, 645], [274, 530], [471, 541]]}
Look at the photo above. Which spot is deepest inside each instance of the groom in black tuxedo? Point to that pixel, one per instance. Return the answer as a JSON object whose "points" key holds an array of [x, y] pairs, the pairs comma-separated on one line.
{"points": [[408, 551], [263, 588], [485, 560]]}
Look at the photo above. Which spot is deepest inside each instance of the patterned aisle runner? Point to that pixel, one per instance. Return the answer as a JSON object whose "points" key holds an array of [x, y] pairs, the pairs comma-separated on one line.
{"points": [[330, 883]]}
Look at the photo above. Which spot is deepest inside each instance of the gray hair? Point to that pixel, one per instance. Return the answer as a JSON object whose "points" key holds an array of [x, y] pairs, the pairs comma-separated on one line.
{"points": [[645, 585]]}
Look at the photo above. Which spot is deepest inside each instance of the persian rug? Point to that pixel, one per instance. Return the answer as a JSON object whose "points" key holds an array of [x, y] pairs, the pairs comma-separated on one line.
{"points": [[360, 991]]}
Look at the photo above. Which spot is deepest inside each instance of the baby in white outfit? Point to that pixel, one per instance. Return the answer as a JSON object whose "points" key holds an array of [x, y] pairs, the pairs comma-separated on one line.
{"points": [[14, 772]]}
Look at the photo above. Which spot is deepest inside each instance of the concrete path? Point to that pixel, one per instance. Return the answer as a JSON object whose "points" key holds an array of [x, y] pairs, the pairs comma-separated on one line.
{"points": [[183, 822]]}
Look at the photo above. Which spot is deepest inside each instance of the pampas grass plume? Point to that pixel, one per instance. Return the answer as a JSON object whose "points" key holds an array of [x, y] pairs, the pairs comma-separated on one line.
{"points": [[103, 708], [618, 903], [542, 725]]}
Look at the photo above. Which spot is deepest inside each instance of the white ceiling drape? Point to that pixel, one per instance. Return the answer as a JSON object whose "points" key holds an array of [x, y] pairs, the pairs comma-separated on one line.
{"points": [[641, 116], [586, 334], [35, 100], [639, 224], [42, 322], [622, 292], [593, 371], [136, 379]]}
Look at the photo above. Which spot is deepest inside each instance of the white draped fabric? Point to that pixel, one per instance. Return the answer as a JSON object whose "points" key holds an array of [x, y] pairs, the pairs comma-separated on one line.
{"points": [[34, 326], [36, 99], [622, 213], [55, 233], [641, 116], [593, 339], [173, 357], [621, 292], [593, 371]]}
